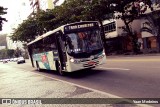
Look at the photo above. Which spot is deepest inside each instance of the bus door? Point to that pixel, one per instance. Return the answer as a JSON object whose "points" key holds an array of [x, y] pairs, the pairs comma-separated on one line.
{"points": [[61, 49], [30, 51]]}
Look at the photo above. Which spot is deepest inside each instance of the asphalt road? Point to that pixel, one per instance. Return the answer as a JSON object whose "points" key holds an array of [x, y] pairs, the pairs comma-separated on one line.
{"points": [[128, 77]]}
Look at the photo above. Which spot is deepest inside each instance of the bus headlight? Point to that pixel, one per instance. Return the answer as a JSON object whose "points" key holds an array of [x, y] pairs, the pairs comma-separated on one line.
{"points": [[103, 53], [72, 60]]}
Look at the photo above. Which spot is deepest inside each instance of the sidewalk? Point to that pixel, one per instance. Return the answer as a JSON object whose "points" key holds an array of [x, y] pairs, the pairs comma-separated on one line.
{"points": [[16, 83]]}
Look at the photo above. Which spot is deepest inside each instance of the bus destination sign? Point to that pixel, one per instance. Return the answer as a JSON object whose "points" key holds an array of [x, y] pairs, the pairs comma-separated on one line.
{"points": [[80, 26]]}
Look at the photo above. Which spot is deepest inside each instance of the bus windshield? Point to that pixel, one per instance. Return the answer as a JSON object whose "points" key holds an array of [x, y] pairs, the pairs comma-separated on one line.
{"points": [[84, 42]]}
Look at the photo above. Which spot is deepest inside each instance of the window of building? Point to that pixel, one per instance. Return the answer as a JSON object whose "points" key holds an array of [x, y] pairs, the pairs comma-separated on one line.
{"points": [[110, 27], [151, 42]]}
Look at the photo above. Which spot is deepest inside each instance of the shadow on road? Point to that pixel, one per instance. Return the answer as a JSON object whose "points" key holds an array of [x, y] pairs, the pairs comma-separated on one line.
{"points": [[77, 74], [83, 73]]}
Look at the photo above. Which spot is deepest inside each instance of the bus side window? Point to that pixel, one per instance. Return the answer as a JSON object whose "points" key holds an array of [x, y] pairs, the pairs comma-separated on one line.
{"points": [[34, 48], [40, 47], [49, 43]]}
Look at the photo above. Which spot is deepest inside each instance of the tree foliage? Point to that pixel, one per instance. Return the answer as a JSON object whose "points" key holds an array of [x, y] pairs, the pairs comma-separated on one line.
{"points": [[2, 12], [6, 53], [25, 31], [44, 21], [154, 20], [70, 11], [77, 10], [34, 26], [128, 11]]}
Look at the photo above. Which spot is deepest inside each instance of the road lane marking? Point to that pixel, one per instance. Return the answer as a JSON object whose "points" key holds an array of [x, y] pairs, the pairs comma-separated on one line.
{"points": [[114, 68]]}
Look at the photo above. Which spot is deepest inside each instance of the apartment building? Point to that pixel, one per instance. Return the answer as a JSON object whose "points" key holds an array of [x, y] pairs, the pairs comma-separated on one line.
{"points": [[3, 42], [149, 30], [116, 38], [44, 4], [145, 29]]}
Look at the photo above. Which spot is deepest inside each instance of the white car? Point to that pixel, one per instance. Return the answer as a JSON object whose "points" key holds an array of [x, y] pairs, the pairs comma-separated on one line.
{"points": [[20, 60], [15, 59], [5, 61]]}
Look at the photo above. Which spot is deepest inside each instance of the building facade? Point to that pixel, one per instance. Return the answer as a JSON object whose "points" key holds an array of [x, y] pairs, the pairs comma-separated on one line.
{"points": [[3, 42], [150, 30], [150, 35], [43, 4], [117, 40], [146, 29]]}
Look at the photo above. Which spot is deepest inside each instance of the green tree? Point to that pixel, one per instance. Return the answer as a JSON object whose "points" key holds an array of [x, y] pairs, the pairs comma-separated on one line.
{"points": [[72, 10], [17, 52], [98, 10], [26, 31], [6, 53], [34, 26], [10, 53], [3, 53], [129, 10], [45, 21], [154, 20], [2, 12], [76, 10], [25, 51]]}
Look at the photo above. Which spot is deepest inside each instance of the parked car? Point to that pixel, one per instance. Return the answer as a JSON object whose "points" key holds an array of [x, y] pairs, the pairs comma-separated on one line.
{"points": [[5, 61], [11, 59], [20, 60], [15, 59]]}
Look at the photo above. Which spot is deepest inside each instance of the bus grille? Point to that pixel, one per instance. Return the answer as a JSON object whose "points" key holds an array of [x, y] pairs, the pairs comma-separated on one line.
{"points": [[91, 63]]}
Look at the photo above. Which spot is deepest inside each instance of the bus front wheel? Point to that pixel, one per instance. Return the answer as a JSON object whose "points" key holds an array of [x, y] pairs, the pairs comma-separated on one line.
{"points": [[59, 68]]}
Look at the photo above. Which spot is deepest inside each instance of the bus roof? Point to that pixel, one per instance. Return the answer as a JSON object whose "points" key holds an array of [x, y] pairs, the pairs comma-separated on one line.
{"points": [[55, 30], [45, 35]]}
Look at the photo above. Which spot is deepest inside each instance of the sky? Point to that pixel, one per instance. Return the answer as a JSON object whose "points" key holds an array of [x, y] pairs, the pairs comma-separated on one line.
{"points": [[16, 12]]}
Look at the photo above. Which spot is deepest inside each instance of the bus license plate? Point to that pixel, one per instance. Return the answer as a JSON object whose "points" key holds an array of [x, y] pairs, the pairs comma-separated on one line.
{"points": [[91, 63]]}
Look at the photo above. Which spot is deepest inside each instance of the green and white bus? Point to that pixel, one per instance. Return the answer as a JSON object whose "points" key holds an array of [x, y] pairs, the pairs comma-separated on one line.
{"points": [[68, 48]]}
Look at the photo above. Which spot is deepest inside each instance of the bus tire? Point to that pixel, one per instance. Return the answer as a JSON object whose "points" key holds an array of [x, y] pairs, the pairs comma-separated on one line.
{"points": [[59, 68], [38, 68]]}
